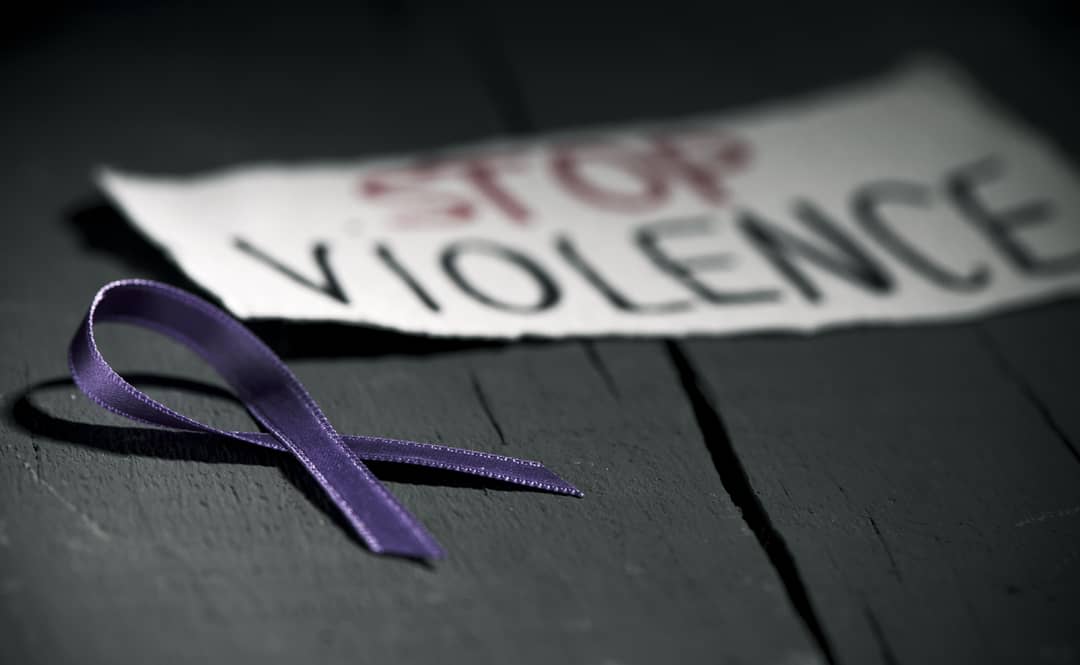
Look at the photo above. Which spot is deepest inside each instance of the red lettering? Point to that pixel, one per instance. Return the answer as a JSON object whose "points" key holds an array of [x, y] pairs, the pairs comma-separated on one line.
{"points": [[628, 177], [412, 194], [568, 162], [703, 161], [700, 161], [481, 174], [414, 203]]}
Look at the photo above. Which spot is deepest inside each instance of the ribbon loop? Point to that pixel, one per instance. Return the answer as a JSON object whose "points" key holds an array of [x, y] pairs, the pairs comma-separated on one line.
{"points": [[277, 399]]}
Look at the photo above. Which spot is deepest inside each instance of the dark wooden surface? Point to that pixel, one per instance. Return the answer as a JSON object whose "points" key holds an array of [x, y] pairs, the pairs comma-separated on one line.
{"points": [[878, 495]]}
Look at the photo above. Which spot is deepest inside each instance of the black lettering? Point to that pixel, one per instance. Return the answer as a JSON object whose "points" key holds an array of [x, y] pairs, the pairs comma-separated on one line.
{"points": [[1000, 226], [866, 206], [620, 301], [330, 286], [395, 266], [844, 258], [684, 269], [549, 290]]}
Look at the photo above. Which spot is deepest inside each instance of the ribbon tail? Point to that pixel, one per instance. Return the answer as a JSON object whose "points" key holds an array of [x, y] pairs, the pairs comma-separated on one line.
{"points": [[363, 502], [498, 467]]}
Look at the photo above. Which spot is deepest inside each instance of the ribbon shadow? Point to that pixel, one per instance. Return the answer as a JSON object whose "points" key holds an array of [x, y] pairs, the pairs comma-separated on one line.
{"points": [[30, 411]]}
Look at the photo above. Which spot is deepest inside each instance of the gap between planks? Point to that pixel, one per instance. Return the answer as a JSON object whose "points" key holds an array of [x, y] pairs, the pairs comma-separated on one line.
{"points": [[736, 483], [497, 76]]}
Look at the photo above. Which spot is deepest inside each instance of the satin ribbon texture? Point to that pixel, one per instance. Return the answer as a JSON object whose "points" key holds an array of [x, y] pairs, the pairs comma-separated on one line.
{"points": [[277, 400]]}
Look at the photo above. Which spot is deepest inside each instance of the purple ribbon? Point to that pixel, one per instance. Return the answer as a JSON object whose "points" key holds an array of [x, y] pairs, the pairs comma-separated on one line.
{"points": [[277, 400]]}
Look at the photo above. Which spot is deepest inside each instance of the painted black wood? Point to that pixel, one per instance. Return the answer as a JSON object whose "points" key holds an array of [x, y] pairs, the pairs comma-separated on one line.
{"points": [[916, 488], [119, 544], [889, 496]]}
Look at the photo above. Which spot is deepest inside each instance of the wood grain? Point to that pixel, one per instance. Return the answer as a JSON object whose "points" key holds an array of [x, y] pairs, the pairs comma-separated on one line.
{"points": [[123, 545], [916, 489], [863, 496]]}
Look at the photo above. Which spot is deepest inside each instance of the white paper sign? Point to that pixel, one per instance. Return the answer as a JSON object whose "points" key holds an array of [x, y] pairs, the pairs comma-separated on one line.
{"points": [[907, 198]]}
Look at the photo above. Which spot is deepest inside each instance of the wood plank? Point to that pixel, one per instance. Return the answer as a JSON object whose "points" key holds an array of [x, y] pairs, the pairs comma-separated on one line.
{"points": [[121, 545], [915, 488], [214, 551], [1036, 349]]}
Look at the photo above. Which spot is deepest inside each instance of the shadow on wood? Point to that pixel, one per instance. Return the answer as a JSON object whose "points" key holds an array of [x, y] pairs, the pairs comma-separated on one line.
{"points": [[208, 448]]}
